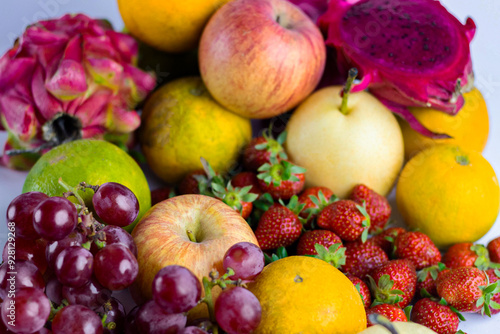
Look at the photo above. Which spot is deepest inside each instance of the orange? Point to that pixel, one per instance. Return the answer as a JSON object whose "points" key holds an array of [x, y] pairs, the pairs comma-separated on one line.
{"points": [[301, 294], [468, 129], [449, 193], [92, 161], [182, 122], [170, 26]]}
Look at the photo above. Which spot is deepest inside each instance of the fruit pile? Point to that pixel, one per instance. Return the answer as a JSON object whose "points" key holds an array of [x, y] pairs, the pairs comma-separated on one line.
{"points": [[278, 230]]}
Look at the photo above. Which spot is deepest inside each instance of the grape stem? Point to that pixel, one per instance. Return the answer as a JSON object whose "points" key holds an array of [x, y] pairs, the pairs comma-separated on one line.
{"points": [[72, 191], [209, 300], [208, 285]]}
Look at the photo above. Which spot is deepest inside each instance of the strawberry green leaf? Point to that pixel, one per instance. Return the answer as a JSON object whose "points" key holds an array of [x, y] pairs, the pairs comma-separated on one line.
{"points": [[424, 293], [262, 146], [334, 255], [281, 138], [443, 301], [282, 253], [407, 311], [460, 316]]}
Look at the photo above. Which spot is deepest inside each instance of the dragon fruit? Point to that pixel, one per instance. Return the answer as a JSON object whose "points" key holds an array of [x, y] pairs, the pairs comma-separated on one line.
{"points": [[68, 78], [408, 53]]}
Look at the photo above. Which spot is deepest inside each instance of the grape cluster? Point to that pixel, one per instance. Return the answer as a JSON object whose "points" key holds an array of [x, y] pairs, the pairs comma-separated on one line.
{"points": [[177, 290], [61, 265]]}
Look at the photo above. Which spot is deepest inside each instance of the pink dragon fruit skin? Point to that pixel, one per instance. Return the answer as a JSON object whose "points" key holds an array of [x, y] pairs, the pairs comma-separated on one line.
{"points": [[75, 67], [408, 52]]}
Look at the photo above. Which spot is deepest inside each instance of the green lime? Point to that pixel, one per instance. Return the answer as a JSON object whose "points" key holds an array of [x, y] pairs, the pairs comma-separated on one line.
{"points": [[94, 162]]}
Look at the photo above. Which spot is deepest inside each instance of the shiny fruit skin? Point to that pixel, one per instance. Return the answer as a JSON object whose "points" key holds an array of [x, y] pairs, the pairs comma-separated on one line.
{"points": [[440, 179], [304, 279], [391, 312], [151, 319], [76, 319], [20, 213], [55, 218], [237, 311], [31, 310], [115, 204], [246, 260], [115, 267], [176, 289]]}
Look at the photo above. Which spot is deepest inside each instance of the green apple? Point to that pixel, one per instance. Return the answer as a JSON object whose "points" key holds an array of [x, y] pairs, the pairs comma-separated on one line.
{"points": [[344, 142]]}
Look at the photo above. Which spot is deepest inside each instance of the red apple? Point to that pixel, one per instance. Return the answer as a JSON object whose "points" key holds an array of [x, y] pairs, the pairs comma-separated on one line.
{"points": [[193, 231], [260, 58]]}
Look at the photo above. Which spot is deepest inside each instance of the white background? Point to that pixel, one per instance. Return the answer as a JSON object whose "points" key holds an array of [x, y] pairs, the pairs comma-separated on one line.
{"points": [[16, 14]]}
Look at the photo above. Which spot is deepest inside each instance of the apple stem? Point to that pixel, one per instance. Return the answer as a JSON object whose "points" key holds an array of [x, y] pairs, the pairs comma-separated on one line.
{"points": [[191, 236], [353, 72]]}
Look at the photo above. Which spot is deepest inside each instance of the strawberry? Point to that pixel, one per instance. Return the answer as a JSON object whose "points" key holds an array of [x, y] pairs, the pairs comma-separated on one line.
{"points": [[418, 248], [361, 258], [281, 179], [494, 249], [494, 276], [310, 238], [434, 315], [377, 206], [466, 254], [240, 199], [391, 312], [393, 282], [264, 149], [363, 289], [244, 179], [279, 226], [346, 218], [161, 194], [466, 289], [386, 238], [189, 183], [315, 199], [324, 245], [426, 279]]}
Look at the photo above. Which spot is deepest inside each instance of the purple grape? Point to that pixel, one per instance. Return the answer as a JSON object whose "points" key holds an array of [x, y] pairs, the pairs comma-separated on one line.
{"points": [[27, 311], [115, 204], [176, 289], [26, 250], [192, 330], [115, 317], [55, 247], [151, 319], [76, 319], [130, 325], [92, 295], [55, 218], [53, 290], [246, 259], [117, 235], [20, 214], [21, 274], [74, 266], [237, 311], [115, 267]]}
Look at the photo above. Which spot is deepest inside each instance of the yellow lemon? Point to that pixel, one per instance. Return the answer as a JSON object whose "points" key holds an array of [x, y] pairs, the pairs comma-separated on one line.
{"points": [[449, 193], [468, 129], [182, 122], [170, 26], [92, 161], [300, 294]]}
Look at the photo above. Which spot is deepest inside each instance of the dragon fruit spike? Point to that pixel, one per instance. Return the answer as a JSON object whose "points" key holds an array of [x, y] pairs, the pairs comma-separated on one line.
{"points": [[408, 52], [68, 78]]}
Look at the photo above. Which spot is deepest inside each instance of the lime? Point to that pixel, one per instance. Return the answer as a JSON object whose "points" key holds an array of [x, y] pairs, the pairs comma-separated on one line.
{"points": [[94, 162]]}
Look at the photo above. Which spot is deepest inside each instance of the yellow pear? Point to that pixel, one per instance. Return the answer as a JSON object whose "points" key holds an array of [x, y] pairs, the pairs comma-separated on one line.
{"points": [[341, 146]]}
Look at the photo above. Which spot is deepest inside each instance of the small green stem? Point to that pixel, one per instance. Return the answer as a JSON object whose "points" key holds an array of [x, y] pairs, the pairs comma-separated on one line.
{"points": [[209, 300], [191, 236], [72, 191], [353, 72]]}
